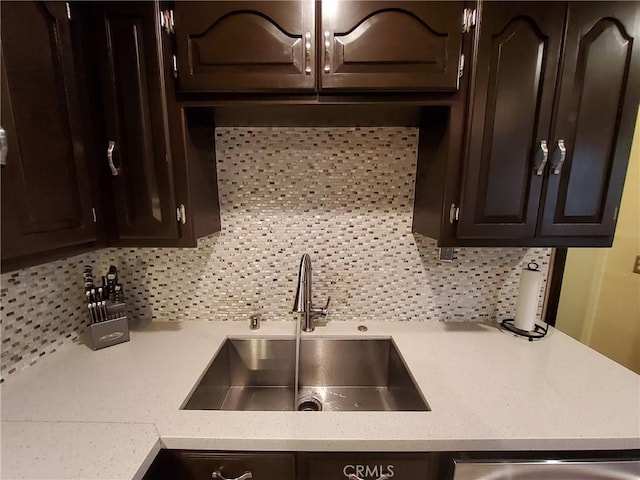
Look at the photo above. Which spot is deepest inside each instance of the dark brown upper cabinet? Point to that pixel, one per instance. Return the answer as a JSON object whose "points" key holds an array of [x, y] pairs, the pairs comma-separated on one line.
{"points": [[136, 153], [46, 191], [553, 102], [156, 182], [245, 46], [595, 114], [357, 46], [394, 45], [511, 109]]}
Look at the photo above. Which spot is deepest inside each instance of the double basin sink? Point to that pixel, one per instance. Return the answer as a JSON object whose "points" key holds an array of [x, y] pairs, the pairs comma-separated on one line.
{"points": [[334, 374]]}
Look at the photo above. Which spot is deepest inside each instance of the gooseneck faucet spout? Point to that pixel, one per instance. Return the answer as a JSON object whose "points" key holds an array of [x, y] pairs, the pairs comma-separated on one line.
{"points": [[303, 303]]}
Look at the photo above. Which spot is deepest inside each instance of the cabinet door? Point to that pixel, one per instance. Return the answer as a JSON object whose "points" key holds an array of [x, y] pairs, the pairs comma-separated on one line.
{"points": [[46, 198], [370, 466], [203, 465], [390, 45], [511, 106], [245, 46], [136, 129], [595, 119]]}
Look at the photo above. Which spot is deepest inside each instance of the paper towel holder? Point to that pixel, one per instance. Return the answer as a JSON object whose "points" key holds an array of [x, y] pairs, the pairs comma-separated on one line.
{"points": [[533, 266], [538, 331]]}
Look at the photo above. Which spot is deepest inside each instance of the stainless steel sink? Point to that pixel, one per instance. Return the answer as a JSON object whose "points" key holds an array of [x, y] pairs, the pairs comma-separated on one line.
{"points": [[334, 374]]}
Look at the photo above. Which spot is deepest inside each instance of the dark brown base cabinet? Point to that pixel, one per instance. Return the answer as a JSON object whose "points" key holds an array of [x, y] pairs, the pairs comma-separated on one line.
{"points": [[205, 465], [370, 466], [47, 203], [553, 101], [200, 465]]}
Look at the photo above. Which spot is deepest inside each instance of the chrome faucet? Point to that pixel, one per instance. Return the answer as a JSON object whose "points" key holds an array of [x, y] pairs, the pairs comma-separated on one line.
{"points": [[303, 303]]}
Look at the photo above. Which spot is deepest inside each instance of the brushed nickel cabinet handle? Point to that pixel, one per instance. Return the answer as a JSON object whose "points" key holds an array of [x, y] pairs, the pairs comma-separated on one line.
{"points": [[245, 476], [327, 50], [110, 149], [545, 157], [167, 21], [307, 53], [557, 168], [4, 147]]}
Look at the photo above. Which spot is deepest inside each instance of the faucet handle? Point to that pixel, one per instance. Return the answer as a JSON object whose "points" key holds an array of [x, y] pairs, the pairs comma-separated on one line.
{"points": [[322, 311], [326, 307], [325, 310]]}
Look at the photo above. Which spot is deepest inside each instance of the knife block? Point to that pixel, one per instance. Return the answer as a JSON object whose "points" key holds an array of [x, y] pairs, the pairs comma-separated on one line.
{"points": [[110, 332]]}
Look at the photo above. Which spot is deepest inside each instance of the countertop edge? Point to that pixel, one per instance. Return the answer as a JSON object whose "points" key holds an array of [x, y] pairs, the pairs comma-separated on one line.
{"points": [[360, 445]]}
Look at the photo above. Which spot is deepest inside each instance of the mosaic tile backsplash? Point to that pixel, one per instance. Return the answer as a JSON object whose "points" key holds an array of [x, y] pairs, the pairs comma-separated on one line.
{"points": [[343, 195]]}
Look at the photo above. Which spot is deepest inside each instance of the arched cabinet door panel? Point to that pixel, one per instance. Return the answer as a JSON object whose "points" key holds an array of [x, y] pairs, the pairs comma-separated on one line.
{"points": [[245, 46], [511, 114], [596, 112], [390, 45]]}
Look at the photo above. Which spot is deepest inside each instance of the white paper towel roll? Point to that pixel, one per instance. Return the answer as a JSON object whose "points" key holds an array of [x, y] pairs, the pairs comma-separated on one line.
{"points": [[528, 295]]}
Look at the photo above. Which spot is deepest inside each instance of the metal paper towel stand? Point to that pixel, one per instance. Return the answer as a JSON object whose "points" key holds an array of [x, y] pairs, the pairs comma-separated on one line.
{"points": [[538, 331]]}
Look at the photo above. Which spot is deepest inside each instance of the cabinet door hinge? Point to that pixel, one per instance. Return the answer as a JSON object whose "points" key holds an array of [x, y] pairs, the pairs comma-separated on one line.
{"points": [[468, 19], [95, 216], [615, 213], [68, 10], [167, 22], [181, 214], [454, 213], [461, 66]]}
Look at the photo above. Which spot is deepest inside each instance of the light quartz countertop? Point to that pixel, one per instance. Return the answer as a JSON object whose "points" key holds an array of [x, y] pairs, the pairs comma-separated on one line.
{"points": [[82, 414]]}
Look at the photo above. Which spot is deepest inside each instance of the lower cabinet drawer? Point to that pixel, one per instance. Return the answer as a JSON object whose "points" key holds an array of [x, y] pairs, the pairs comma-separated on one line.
{"points": [[197, 465], [370, 466]]}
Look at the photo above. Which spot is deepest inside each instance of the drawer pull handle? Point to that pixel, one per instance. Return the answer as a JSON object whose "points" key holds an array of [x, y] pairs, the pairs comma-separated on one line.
{"points": [[545, 157], [384, 476], [245, 476]]}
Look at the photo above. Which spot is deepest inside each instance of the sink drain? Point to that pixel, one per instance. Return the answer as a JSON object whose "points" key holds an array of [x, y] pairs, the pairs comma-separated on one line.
{"points": [[309, 404]]}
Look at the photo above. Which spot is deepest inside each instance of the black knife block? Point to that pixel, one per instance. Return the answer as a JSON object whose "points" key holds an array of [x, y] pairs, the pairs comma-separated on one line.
{"points": [[110, 332]]}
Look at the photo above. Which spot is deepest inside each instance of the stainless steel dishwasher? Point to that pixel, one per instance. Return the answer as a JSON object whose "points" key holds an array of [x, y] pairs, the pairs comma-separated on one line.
{"points": [[573, 469]]}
